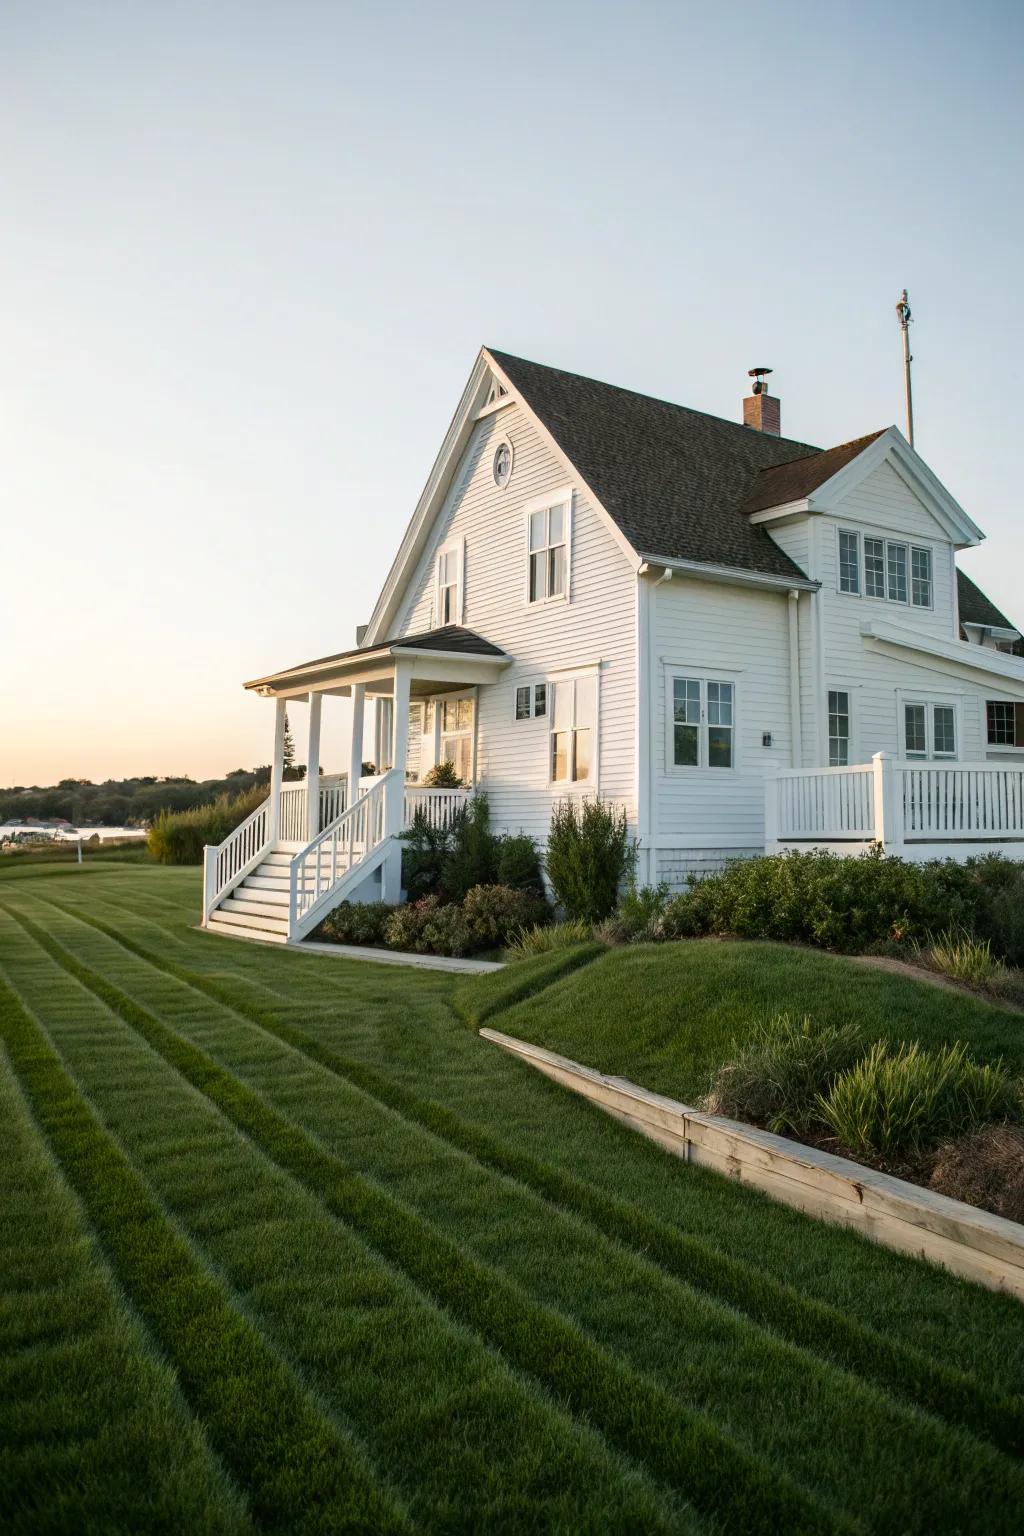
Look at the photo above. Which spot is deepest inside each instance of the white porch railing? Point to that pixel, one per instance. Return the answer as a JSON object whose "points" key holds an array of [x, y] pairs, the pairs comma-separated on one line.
{"points": [[293, 826], [920, 809], [225, 865], [438, 805], [319, 867]]}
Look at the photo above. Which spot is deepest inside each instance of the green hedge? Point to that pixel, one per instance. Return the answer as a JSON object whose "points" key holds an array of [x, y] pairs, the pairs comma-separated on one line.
{"points": [[179, 837]]}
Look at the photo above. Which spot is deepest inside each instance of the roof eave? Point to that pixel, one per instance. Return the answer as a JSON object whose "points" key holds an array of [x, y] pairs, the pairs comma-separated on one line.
{"points": [[733, 575]]}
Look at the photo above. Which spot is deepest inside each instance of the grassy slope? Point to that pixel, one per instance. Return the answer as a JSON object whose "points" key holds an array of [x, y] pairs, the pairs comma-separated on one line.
{"points": [[666, 1015], [514, 1313]]}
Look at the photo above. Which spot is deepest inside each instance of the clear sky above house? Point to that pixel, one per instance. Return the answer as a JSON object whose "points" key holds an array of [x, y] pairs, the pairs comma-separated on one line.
{"points": [[250, 251]]}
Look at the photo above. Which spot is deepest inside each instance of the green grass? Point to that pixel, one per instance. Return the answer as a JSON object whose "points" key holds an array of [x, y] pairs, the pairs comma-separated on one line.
{"points": [[666, 1015], [454, 1296]]}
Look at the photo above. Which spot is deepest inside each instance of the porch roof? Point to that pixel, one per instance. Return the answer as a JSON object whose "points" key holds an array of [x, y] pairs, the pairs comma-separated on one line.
{"points": [[451, 656]]}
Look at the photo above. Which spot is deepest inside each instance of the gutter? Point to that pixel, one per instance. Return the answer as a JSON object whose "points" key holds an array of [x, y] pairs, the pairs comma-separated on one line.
{"points": [[733, 576]]}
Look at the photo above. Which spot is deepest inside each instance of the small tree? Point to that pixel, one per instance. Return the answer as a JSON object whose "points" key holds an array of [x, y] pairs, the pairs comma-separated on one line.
{"points": [[290, 769], [442, 776], [474, 852], [589, 854]]}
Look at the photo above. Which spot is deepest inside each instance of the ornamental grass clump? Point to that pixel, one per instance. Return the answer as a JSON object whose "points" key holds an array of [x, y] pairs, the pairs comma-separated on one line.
{"points": [[962, 957], [898, 1104], [541, 941], [777, 1077]]}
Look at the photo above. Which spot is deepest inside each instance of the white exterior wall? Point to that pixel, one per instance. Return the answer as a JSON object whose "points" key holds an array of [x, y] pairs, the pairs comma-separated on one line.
{"points": [[703, 816], [596, 628]]}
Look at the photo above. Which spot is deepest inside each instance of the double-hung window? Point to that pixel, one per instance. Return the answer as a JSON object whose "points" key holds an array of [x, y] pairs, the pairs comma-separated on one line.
{"points": [[456, 745], [548, 552], [929, 730], [1005, 723], [894, 571], [702, 723], [838, 728], [450, 565], [573, 730]]}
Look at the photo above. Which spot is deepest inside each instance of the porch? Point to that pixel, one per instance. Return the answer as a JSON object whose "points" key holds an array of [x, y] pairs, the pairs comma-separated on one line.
{"points": [[327, 838], [917, 809]]}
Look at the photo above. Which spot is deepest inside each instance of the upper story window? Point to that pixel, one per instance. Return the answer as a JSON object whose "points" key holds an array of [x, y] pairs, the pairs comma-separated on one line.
{"points": [[1005, 723], [450, 567], [548, 551], [702, 723], [897, 572], [573, 730], [501, 464]]}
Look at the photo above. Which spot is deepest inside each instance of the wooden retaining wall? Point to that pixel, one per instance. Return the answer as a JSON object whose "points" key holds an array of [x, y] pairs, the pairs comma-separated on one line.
{"points": [[970, 1242]]}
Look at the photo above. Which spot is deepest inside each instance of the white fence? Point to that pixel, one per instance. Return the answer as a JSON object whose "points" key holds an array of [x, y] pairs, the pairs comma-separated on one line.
{"points": [[919, 809], [293, 823]]}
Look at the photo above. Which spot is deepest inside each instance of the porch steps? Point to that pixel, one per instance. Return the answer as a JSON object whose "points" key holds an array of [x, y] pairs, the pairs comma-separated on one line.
{"points": [[257, 908]]}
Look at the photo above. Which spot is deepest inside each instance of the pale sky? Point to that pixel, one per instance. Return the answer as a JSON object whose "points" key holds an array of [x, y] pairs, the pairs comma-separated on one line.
{"points": [[250, 251]]}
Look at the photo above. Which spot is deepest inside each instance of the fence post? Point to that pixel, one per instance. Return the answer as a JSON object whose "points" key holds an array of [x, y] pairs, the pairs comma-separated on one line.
{"points": [[772, 790], [888, 802]]}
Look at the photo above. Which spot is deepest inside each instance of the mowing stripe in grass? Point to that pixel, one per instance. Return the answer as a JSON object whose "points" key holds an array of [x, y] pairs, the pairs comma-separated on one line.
{"points": [[302, 1473], [905, 1372], [679, 1446]]}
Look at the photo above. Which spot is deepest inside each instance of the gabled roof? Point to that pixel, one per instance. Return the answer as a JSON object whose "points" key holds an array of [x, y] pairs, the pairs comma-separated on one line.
{"points": [[674, 480], [976, 608], [784, 483], [448, 640]]}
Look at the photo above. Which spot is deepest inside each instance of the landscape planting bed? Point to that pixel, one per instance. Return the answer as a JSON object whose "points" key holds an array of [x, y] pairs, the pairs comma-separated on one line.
{"points": [[285, 1246]]}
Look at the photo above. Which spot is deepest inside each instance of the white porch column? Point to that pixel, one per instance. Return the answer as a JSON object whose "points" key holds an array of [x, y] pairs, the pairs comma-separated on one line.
{"points": [[355, 750], [400, 717], [888, 802], [313, 767], [277, 767]]}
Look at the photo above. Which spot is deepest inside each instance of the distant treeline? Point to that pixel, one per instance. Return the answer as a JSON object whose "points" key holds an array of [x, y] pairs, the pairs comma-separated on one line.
{"points": [[122, 802]]}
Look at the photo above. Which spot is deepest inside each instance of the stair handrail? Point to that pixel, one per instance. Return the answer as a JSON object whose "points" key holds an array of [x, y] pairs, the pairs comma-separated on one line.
{"points": [[314, 871], [226, 864]]}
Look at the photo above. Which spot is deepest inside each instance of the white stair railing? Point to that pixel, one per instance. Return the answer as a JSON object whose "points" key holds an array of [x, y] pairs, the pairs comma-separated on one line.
{"points": [[226, 864], [341, 846], [333, 799]]}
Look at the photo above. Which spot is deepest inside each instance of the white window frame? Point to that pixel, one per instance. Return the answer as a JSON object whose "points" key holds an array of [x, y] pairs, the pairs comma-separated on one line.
{"points": [[561, 498], [931, 701], [1013, 747], [456, 547], [504, 441], [851, 749], [560, 680], [532, 685], [887, 543], [439, 701], [703, 676]]}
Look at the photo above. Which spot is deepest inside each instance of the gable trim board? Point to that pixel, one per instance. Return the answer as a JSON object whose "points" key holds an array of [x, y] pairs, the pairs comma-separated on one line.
{"points": [[958, 660]]}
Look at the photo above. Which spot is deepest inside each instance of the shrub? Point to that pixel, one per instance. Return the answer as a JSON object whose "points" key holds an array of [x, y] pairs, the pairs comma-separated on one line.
{"points": [[493, 913], [993, 891], [442, 776], [405, 926], [356, 923], [178, 837], [519, 865], [446, 932], [778, 1076], [473, 856], [539, 941], [424, 856], [821, 898], [898, 1104], [637, 917], [588, 855]]}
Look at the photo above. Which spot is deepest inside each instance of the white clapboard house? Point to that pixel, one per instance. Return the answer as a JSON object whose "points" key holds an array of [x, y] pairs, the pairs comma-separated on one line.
{"points": [[746, 641]]}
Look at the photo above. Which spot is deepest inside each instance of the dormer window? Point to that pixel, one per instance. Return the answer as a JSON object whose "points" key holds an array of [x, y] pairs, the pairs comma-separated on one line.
{"points": [[450, 567], [893, 571]]}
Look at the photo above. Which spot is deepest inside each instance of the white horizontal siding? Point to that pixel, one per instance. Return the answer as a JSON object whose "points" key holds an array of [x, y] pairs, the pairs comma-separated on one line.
{"points": [[596, 628], [709, 629]]}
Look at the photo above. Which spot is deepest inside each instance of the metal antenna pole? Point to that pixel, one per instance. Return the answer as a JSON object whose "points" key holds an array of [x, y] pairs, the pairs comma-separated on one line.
{"points": [[904, 317]]}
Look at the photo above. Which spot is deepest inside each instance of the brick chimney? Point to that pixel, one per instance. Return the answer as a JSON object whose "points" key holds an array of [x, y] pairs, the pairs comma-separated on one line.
{"points": [[761, 410]]}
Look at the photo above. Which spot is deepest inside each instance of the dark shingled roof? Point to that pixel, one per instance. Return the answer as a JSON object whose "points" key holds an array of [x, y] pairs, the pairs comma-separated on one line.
{"points": [[675, 480], [797, 479], [975, 607], [451, 639]]}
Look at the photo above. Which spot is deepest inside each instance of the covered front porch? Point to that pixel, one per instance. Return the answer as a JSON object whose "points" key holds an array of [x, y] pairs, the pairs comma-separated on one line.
{"points": [[333, 836]]}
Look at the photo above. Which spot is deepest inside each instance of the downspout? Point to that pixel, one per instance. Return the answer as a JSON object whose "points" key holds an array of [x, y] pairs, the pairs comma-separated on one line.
{"points": [[652, 754], [795, 723]]}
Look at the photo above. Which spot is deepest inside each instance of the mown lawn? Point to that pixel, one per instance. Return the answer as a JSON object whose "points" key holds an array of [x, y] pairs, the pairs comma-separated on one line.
{"points": [[284, 1246], [666, 1015]]}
